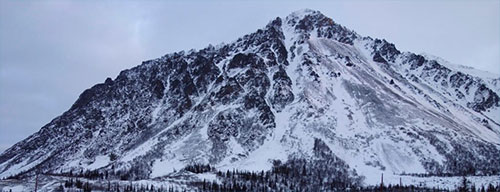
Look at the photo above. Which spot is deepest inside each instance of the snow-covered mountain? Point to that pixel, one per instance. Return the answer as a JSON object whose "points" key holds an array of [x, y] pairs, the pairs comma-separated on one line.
{"points": [[276, 94]]}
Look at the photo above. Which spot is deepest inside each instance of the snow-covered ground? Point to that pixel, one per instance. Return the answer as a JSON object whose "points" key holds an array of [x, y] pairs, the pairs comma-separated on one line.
{"points": [[450, 183], [50, 183]]}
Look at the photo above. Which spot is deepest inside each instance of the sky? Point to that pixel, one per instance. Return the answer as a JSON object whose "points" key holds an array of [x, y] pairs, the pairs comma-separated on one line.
{"points": [[52, 51]]}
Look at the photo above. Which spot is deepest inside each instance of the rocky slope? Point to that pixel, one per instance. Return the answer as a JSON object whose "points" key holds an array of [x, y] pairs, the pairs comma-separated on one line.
{"points": [[271, 95]]}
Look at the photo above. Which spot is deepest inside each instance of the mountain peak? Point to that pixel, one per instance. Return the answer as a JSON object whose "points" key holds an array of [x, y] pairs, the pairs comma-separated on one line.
{"points": [[301, 13], [310, 23], [305, 14], [301, 87]]}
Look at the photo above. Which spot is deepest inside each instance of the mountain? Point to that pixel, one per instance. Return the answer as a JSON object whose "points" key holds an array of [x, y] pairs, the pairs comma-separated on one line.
{"points": [[302, 87]]}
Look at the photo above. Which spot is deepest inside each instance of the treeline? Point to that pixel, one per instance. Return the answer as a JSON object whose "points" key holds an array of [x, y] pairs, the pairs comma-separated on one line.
{"points": [[442, 175], [95, 174], [316, 174], [86, 187], [199, 168], [294, 175], [312, 175], [88, 174], [468, 186], [114, 187]]}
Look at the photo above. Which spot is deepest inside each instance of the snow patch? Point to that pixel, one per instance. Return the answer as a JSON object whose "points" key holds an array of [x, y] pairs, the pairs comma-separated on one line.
{"points": [[164, 167], [99, 161]]}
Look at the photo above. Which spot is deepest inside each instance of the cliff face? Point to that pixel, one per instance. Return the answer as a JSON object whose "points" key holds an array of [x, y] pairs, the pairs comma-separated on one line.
{"points": [[276, 94]]}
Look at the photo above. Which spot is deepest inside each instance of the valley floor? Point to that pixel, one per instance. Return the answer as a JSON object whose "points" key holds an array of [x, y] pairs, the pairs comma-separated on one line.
{"points": [[184, 182]]}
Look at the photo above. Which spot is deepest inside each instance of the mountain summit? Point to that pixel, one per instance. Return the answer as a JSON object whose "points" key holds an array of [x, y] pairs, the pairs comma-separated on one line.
{"points": [[302, 87]]}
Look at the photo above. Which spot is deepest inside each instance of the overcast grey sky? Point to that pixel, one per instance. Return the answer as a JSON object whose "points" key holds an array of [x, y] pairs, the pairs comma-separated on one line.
{"points": [[51, 51]]}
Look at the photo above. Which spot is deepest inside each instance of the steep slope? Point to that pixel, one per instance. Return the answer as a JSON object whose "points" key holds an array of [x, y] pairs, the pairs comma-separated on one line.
{"points": [[491, 78], [271, 95]]}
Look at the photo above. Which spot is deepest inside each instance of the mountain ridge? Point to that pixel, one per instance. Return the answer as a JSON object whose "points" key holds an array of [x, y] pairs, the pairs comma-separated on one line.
{"points": [[299, 81]]}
